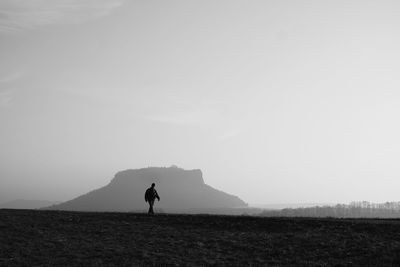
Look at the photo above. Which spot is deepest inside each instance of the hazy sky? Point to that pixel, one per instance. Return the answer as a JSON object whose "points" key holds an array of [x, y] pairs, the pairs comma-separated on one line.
{"points": [[276, 101]]}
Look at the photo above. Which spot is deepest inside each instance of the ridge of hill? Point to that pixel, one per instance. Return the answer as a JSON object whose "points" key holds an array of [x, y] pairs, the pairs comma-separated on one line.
{"points": [[180, 191]]}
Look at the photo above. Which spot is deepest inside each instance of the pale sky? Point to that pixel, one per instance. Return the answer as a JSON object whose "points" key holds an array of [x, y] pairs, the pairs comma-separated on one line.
{"points": [[275, 101]]}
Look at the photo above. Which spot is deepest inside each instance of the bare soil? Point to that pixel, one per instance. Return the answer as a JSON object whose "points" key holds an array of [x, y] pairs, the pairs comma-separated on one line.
{"points": [[59, 238]]}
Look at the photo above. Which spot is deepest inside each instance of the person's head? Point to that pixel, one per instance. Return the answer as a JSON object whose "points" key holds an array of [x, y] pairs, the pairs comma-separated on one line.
{"points": [[153, 185]]}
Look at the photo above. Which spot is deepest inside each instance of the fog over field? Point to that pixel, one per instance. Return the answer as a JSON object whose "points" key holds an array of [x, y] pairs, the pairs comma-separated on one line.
{"points": [[274, 101]]}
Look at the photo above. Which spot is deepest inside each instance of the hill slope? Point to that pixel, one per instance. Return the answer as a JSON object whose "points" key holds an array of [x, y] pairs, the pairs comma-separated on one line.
{"points": [[180, 191], [26, 204]]}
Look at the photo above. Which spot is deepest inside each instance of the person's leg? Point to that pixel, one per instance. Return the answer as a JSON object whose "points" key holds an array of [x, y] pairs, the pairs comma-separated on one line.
{"points": [[151, 203]]}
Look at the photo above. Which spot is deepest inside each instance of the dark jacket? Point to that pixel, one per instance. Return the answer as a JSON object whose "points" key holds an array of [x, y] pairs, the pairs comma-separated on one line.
{"points": [[151, 194]]}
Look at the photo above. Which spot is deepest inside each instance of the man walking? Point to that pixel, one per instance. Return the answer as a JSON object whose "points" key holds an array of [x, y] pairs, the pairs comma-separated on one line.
{"points": [[150, 196]]}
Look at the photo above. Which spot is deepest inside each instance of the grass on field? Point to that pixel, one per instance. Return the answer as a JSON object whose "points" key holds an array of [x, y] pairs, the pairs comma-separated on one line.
{"points": [[56, 238]]}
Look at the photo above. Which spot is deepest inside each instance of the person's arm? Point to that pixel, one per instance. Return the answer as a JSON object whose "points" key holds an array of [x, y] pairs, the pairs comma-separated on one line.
{"points": [[157, 196]]}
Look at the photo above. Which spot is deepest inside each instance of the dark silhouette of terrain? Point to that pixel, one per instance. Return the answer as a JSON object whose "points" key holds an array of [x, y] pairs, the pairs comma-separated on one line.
{"points": [[60, 238], [181, 190]]}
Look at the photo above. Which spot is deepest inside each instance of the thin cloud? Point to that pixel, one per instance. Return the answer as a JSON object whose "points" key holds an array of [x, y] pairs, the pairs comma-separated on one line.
{"points": [[18, 15], [232, 133], [7, 88], [10, 78], [185, 117], [5, 98]]}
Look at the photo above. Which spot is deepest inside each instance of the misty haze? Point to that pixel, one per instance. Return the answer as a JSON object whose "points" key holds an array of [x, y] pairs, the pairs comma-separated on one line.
{"points": [[199, 132]]}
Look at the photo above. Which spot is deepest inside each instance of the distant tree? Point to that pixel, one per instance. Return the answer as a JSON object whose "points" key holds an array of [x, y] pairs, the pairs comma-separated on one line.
{"points": [[359, 209]]}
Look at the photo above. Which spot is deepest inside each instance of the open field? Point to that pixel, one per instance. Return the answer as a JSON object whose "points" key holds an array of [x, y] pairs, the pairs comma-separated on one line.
{"points": [[53, 238]]}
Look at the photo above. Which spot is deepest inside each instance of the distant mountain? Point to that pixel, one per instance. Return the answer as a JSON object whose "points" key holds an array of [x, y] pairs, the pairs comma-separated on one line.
{"points": [[26, 204], [180, 191]]}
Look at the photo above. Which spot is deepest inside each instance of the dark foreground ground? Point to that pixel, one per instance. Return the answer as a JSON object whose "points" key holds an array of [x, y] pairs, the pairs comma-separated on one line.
{"points": [[51, 238]]}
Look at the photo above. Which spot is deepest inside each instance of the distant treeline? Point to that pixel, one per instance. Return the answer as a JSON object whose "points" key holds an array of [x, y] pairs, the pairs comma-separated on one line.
{"points": [[361, 209]]}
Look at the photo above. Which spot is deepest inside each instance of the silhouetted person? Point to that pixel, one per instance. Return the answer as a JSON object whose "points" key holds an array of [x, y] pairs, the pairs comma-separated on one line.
{"points": [[150, 196]]}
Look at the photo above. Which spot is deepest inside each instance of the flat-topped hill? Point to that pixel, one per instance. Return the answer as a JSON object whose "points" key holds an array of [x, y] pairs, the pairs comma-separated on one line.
{"points": [[180, 191]]}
